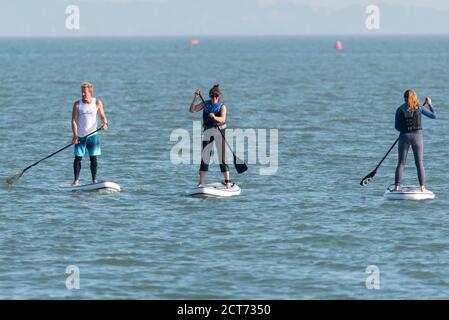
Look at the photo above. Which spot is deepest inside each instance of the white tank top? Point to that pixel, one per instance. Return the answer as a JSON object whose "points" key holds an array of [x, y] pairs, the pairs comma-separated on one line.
{"points": [[87, 118]]}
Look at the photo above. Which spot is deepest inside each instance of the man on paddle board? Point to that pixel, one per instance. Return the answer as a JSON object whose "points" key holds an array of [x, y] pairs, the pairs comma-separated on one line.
{"points": [[408, 123], [84, 122], [214, 114]]}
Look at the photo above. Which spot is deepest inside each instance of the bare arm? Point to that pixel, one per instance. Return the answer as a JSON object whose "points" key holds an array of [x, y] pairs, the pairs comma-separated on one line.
{"points": [[222, 117], [196, 107], [104, 121], [75, 112]]}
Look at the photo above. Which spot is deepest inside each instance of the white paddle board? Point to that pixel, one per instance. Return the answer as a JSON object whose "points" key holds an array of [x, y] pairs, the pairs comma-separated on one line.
{"points": [[216, 189], [102, 185], [408, 193]]}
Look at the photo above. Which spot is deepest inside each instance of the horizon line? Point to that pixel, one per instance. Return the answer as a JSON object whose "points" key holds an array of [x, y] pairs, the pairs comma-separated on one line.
{"points": [[226, 35]]}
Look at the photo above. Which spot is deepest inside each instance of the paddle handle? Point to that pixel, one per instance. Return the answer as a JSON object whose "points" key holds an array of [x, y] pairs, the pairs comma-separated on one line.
{"points": [[219, 129], [99, 129], [62, 149], [388, 152]]}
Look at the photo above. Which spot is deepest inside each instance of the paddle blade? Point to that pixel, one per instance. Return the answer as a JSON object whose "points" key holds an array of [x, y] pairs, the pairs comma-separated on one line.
{"points": [[14, 177], [365, 181], [239, 165]]}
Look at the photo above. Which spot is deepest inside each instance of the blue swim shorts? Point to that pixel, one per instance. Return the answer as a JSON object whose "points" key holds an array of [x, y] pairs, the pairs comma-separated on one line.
{"points": [[91, 143]]}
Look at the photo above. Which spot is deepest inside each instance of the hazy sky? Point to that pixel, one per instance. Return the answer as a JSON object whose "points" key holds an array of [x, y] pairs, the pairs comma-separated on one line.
{"points": [[227, 17]]}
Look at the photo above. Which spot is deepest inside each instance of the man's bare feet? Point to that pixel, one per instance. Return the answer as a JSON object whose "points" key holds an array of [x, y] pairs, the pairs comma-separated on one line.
{"points": [[397, 188], [423, 189], [75, 183]]}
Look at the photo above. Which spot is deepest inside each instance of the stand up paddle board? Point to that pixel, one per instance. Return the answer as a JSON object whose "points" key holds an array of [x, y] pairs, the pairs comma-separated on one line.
{"points": [[408, 193], [102, 185], [216, 189]]}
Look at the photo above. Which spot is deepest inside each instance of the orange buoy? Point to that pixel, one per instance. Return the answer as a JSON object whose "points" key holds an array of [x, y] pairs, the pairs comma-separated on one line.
{"points": [[194, 42], [338, 45]]}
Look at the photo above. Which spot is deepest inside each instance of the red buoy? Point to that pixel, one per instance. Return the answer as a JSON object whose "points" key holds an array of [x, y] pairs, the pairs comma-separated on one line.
{"points": [[194, 42], [338, 45]]}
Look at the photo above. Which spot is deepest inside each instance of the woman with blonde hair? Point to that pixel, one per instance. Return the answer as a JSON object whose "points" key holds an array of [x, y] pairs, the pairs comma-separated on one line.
{"points": [[408, 123]]}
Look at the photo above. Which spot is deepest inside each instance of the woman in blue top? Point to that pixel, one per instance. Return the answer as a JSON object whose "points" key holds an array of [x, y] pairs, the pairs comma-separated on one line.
{"points": [[408, 123], [214, 114]]}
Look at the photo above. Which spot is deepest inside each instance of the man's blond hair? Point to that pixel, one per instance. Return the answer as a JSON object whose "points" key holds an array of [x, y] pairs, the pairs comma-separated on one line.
{"points": [[88, 85]]}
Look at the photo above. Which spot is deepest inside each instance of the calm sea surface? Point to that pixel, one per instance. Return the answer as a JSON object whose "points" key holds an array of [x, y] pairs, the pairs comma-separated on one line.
{"points": [[308, 231]]}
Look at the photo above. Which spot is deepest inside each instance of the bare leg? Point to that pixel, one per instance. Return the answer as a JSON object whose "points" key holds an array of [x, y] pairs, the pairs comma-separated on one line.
{"points": [[202, 178], [227, 178]]}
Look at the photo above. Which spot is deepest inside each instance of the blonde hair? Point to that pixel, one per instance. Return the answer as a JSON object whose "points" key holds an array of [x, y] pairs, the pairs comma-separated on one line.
{"points": [[411, 99], [88, 85]]}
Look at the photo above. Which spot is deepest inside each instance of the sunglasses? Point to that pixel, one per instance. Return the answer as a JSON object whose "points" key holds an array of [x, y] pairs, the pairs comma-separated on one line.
{"points": [[214, 96]]}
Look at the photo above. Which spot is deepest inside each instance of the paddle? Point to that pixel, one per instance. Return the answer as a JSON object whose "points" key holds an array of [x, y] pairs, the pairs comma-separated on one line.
{"points": [[16, 176], [239, 165], [371, 175]]}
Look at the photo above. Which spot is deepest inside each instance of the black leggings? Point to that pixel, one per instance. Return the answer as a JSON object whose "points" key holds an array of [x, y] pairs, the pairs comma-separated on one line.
{"points": [[208, 138], [416, 141], [77, 167]]}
